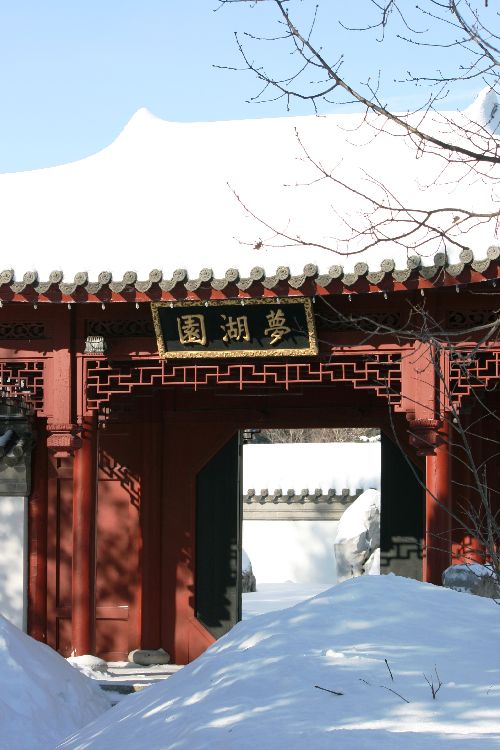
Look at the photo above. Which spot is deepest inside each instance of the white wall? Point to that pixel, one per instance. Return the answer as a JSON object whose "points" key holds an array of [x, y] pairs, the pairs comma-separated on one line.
{"points": [[13, 559], [298, 551]]}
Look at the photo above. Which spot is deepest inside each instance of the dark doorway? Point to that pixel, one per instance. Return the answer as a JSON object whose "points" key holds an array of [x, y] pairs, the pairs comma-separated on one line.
{"points": [[218, 540], [402, 513]]}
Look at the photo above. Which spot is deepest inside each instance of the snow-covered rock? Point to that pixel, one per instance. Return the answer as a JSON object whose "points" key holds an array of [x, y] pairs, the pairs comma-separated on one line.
{"points": [[260, 685], [372, 565], [88, 664], [248, 582], [358, 537], [42, 698], [473, 578], [147, 657]]}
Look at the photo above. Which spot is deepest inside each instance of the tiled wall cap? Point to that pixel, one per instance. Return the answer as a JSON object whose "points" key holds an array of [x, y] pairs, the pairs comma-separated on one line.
{"points": [[104, 277], [466, 255], [206, 274], [335, 272], [414, 262], [232, 275], [155, 276], [361, 269], [387, 265], [81, 278], [129, 277]]}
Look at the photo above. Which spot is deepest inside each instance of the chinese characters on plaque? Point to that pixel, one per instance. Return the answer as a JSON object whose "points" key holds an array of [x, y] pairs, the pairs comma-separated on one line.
{"points": [[277, 326], [192, 329], [228, 329]]}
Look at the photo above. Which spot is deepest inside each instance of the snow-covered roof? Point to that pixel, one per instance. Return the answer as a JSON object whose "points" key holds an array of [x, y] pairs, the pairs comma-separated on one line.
{"points": [[168, 198]]}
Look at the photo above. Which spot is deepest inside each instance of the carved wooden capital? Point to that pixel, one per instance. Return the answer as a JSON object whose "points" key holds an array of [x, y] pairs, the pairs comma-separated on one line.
{"points": [[424, 435], [62, 439]]}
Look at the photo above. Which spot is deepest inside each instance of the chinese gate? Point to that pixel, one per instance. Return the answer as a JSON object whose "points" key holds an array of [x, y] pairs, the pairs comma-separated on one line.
{"points": [[134, 519]]}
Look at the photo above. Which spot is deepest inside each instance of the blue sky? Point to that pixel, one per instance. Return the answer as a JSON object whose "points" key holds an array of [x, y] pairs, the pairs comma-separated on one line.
{"points": [[74, 71]]}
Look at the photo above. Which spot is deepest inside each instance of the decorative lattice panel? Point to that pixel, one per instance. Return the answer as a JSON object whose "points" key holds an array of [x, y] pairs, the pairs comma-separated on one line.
{"points": [[380, 373], [116, 329], [23, 379], [22, 331], [473, 370], [368, 322], [467, 320]]}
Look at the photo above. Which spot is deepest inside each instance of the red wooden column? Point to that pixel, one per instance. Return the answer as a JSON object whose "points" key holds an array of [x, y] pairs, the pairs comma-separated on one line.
{"points": [[479, 449], [37, 535], [83, 570], [438, 520]]}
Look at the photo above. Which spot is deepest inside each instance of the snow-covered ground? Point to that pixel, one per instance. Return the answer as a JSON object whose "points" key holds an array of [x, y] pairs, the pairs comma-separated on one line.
{"points": [[346, 669], [271, 597], [42, 698]]}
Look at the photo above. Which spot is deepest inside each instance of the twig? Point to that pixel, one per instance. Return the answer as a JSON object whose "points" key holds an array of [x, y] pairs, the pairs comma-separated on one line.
{"points": [[385, 688], [388, 667], [434, 688], [395, 693], [334, 692]]}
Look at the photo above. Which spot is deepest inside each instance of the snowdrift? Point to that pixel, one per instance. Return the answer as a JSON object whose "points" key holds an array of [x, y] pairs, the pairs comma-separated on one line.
{"points": [[260, 685], [42, 698]]}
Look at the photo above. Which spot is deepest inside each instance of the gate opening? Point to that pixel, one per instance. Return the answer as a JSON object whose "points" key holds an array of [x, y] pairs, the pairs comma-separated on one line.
{"points": [[297, 485]]}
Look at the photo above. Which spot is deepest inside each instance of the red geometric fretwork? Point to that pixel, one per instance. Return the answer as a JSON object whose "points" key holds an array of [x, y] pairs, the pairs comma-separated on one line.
{"points": [[24, 380], [380, 373], [472, 370]]}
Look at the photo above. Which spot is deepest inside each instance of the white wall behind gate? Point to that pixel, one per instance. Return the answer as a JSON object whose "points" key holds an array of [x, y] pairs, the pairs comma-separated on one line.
{"points": [[13, 559], [298, 551], [301, 550]]}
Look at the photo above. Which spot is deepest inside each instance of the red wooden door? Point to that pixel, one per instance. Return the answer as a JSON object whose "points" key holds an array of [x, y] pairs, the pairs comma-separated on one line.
{"points": [[118, 541]]}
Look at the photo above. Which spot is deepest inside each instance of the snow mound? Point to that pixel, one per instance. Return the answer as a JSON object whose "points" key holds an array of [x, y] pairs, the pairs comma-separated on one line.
{"points": [[265, 684], [42, 698]]}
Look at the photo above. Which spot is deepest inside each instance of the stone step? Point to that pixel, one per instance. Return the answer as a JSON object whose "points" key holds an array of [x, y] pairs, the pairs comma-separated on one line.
{"points": [[123, 678], [113, 687]]}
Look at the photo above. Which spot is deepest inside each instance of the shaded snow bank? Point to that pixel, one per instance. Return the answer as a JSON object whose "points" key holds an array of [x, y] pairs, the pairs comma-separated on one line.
{"points": [[42, 698], [256, 687]]}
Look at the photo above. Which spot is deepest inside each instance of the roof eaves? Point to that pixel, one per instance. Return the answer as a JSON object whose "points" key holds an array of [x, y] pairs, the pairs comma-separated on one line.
{"points": [[335, 280]]}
